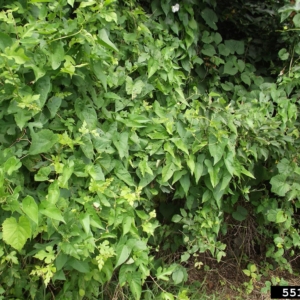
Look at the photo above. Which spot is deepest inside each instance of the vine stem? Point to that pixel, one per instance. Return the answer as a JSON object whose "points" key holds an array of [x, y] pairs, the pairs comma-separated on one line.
{"points": [[66, 36], [292, 29]]}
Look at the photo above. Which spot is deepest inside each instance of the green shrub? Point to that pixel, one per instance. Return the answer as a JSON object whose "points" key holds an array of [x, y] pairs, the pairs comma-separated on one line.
{"points": [[125, 133]]}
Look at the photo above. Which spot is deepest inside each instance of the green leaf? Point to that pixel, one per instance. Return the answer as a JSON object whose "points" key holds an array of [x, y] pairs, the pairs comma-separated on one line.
{"points": [[71, 2], [11, 165], [95, 222], [271, 215], [144, 167], [174, 26], [220, 254], [109, 16], [230, 68], [185, 183], [181, 97], [167, 296], [70, 249], [42, 174], [125, 273], [159, 135], [19, 55], [168, 170], [228, 86], [87, 3], [57, 54], [69, 66], [208, 50], [123, 252], [149, 227], [218, 193], [85, 222], [284, 167], [42, 141], [210, 18], [235, 46], [278, 253], [244, 171], [129, 85], [43, 88], [163, 273], [104, 40], [53, 105], [199, 167], [108, 270], [217, 38], [240, 214], [253, 268], [247, 272], [180, 145], [280, 216], [191, 162], [206, 37], [86, 113], [283, 54], [207, 196], [120, 140], [178, 276], [38, 72], [111, 95], [166, 7], [223, 50], [176, 218], [98, 70], [30, 208], [245, 78], [216, 147], [16, 233], [123, 174], [177, 175], [279, 185], [87, 146], [126, 224], [296, 20], [50, 210], [229, 163], [185, 257], [226, 179], [66, 174], [48, 256], [95, 172], [5, 41], [213, 173], [135, 285], [278, 240], [137, 88], [80, 266], [130, 123], [53, 192], [241, 65], [141, 214], [153, 65]]}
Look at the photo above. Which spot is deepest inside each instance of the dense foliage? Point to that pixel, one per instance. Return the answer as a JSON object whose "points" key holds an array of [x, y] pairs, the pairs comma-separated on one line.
{"points": [[132, 129]]}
